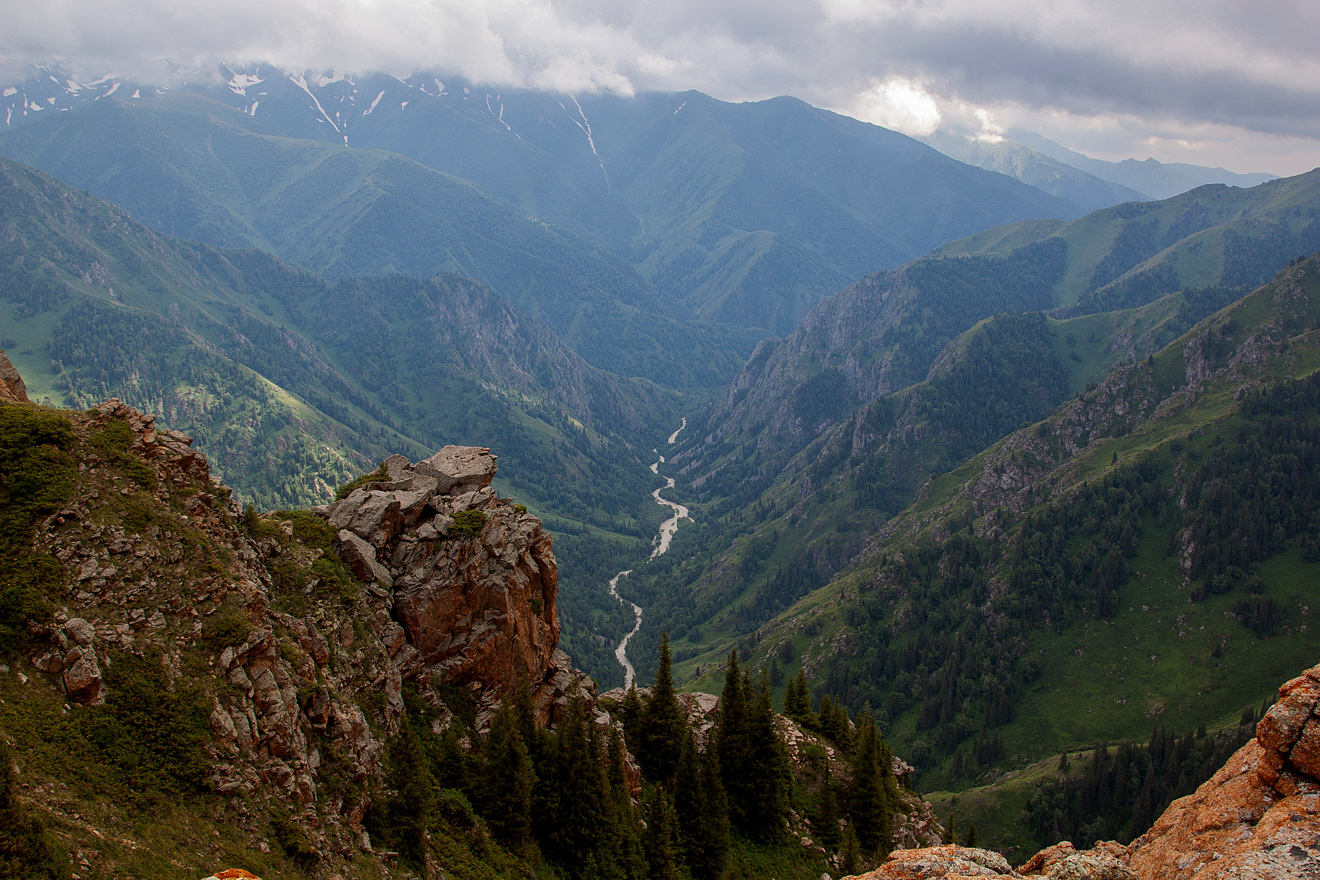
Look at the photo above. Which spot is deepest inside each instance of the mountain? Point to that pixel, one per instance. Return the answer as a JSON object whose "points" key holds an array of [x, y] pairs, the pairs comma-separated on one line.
{"points": [[884, 333], [369, 686], [290, 381], [741, 215], [1159, 180], [1142, 553], [192, 169], [1048, 173]]}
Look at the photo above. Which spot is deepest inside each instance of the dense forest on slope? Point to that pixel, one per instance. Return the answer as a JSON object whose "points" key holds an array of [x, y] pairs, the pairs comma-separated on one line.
{"points": [[199, 171], [292, 383], [1169, 512]]}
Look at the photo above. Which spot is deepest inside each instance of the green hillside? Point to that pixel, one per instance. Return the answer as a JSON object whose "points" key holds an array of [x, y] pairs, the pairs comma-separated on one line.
{"points": [[192, 168], [1145, 554], [291, 383]]}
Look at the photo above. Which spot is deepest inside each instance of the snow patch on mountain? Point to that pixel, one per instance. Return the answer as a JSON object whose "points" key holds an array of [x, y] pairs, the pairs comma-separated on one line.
{"points": [[240, 82], [367, 112]]}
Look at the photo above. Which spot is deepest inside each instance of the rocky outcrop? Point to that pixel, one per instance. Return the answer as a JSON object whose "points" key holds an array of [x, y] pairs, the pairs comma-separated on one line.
{"points": [[303, 671], [1258, 818], [471, 578], [12, 388]]}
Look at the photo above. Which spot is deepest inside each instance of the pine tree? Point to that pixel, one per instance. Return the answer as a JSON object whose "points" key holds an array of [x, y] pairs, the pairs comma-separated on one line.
{"points": [[797, 700], [772, 779], [570, 834], [971, 836], [410, 810], [508, 782], [825, 820], [702, 812], [873, 796], [663, 725], [733, 745], [658, 838]]}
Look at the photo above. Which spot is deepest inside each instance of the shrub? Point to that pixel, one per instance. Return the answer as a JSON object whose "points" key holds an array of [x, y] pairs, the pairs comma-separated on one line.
{"points": [[468, 523], [375, 476]]}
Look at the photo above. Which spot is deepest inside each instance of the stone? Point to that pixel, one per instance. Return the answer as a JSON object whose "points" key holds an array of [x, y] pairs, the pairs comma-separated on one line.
{"points": [[82, 677], [940, 862], [12, 388], [459, 469], [80, 631], [361, 558]]}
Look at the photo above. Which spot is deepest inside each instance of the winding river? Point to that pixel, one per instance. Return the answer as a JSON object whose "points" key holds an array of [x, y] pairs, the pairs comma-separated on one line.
{"points": [[662, 539]]}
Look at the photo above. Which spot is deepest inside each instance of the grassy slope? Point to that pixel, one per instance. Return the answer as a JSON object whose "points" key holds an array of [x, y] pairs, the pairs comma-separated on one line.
{"points": [[1160, 657]]}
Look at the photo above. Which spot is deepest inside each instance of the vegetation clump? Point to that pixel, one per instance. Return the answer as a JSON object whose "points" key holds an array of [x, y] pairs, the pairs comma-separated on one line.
{"points": [[376, 476], [468, 523]]}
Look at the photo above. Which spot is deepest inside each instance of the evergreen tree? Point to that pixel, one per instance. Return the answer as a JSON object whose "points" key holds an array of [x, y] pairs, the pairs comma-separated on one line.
{"points": [[658, 838], [664, 724], [825, 819], [733, 745], [971, 836], [772, 779], [626, 856], [702, 812], [797, 700], [508, 782], [410, 808], [873, 797], [851, 863], [579, 818]]}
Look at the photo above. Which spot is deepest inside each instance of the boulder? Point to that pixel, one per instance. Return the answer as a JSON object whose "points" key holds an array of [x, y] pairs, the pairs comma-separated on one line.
{"points": [[12, 388], [459, 469]]}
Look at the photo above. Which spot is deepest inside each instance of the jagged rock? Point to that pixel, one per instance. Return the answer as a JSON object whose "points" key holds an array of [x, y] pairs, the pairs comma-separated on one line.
{"points": [[361, 557], [1259, 816], [459, 469], [1063, 862], [232, 874], [82, 676], [12, 388], [940, 862]]}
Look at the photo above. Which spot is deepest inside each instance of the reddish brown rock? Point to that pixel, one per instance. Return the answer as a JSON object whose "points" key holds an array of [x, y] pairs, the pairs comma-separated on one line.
{"points": [[12, 388], [1259, 816]]}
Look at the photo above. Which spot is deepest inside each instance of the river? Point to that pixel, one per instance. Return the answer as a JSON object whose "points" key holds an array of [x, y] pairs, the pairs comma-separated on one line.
{"points": [[662, 539]]}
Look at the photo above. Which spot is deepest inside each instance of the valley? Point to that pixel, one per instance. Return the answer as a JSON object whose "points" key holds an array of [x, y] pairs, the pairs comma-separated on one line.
{"points": [[993, 467]]}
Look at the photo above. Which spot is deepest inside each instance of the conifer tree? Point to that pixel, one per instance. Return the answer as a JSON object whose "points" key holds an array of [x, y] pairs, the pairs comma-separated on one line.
{"points": [[797, 700], [410, 810], [658, 838], [663, 725], [772, 779], [702, 812], [628, 861], [571, 832], [873, 796], [733, 745], [508, 782], [825, 819]]}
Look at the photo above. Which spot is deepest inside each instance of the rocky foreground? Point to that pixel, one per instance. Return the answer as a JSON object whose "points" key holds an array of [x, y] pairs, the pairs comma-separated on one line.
{"points": [[1258, 818]]}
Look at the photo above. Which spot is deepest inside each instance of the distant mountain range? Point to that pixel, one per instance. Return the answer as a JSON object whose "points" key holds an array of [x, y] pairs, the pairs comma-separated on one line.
{"points": [[741, 215]]}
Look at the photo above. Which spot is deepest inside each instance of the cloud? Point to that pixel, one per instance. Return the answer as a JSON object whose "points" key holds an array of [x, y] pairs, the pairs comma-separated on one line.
{"points": [[1252, 67], [899, 104]]}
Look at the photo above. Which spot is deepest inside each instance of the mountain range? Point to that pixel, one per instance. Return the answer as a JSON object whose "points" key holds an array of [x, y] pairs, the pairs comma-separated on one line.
{"points": [[945, 431]]}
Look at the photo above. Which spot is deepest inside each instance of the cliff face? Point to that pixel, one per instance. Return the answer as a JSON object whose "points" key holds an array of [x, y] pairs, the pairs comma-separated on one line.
{"points": [[1258, 817], [301, 666]]}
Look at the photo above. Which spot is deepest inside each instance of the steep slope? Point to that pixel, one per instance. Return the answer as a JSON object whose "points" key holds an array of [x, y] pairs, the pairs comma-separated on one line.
{"points": [[884, 333], [290, 381], [190, 167], [745, 215], [173, 651], [1147, 550]]}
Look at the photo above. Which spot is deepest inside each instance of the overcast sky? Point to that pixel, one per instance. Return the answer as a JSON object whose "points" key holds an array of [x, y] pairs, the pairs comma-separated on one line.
{"points": [[1214, 82]]}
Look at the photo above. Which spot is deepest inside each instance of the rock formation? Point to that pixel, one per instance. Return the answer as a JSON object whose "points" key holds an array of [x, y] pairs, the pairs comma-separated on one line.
{"points": [[477, 611], [12, 388], [1258, 818], [304, 673]]}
